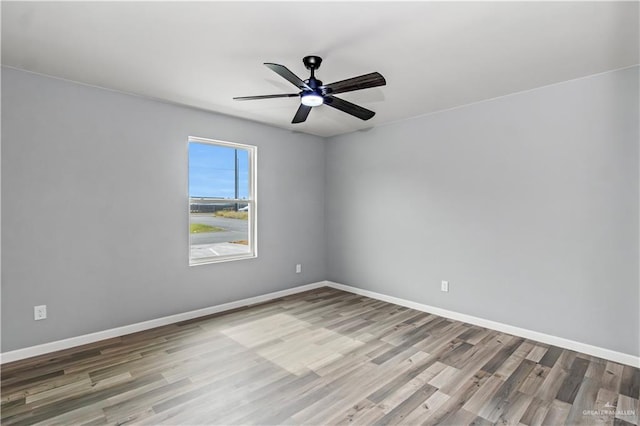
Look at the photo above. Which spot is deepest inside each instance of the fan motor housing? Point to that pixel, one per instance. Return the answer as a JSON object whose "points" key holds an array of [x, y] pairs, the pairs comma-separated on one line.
{"points": [[314, 83]]}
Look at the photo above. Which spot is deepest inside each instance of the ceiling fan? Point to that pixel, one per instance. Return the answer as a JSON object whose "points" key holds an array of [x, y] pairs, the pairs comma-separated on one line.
{"points": [[314, 93]]}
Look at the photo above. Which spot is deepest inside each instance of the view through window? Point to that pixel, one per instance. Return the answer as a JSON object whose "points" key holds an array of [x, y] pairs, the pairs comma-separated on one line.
{"points": [[221, 201]]}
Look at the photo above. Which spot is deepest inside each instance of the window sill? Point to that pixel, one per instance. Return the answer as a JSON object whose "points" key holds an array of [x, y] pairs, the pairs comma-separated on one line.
{"points": [[220, 259]]}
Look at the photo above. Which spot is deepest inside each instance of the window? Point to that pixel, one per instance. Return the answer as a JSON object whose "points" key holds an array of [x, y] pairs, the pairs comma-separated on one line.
{"points": [[222, 201]]}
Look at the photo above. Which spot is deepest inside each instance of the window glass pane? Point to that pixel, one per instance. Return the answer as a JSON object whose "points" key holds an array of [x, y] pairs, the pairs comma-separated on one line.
{"points": [[218, 229], [213, 170]]}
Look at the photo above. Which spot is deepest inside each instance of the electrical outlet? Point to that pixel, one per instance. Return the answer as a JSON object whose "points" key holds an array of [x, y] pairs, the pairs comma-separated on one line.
{"points": [[444, 286], [40, 312], [298, 268]]}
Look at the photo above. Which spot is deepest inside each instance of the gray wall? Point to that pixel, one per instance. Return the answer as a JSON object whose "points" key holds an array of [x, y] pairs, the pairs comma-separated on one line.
{"points": [[527, 204], [78, 165]]}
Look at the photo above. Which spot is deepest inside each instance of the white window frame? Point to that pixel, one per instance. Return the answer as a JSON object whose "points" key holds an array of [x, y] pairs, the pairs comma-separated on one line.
{"points": [[250, 201]]}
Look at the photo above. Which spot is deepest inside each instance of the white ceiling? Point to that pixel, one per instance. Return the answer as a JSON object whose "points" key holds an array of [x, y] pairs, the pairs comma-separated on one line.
{"points": [[434, 55]]}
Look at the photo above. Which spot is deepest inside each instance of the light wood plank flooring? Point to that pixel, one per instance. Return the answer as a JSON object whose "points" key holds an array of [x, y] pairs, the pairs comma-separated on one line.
{"points": [[320, 357]]}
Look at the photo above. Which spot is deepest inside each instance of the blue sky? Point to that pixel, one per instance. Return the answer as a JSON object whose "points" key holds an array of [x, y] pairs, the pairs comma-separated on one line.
{"points": [[212, 171]]}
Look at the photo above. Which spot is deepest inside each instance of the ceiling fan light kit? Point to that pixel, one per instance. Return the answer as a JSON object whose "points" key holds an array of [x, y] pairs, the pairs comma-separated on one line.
{"points": [[313, 93], [311, 99]]}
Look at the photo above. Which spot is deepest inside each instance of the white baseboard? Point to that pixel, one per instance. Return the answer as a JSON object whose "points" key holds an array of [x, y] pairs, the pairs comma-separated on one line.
{"points": [[596, 351], [71, 342]]}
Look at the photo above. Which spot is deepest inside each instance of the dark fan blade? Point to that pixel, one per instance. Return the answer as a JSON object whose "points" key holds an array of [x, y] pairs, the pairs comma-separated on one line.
{"points": [[248, 98], [356, 83], [348, 107], [301, 114], [284, 72]]}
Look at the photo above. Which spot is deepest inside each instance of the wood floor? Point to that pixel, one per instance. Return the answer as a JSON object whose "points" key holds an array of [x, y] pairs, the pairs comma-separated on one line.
{"points": [[320, 357]]}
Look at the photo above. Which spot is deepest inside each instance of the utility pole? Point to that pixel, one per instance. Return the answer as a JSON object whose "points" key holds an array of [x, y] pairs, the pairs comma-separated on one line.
{"points": [[237, 178]]}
